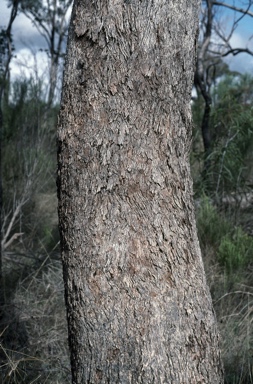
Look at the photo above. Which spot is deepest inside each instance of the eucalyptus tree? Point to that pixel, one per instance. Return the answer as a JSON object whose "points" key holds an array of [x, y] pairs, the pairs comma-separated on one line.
{"points": [[138, 306]]}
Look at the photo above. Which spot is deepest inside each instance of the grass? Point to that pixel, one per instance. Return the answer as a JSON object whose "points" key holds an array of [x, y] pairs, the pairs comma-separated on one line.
{"points": [[235, 316], [33, 337], [228, 258], [39, 306]]}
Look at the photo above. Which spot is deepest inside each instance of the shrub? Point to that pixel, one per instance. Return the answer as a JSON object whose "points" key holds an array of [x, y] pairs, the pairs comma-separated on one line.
{"points": [[235, 251], [212, 225], [39, 306]]}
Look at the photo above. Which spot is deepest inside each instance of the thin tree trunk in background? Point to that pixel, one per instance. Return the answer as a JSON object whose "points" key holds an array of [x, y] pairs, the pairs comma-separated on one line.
{"points": [[138, 307], [4, 84], [205, 124], [202, 84], [1, 212], [52, 80]]}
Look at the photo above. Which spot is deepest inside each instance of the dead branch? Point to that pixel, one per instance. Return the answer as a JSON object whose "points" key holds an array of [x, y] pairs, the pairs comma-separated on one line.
{"points": [[234, 8]]}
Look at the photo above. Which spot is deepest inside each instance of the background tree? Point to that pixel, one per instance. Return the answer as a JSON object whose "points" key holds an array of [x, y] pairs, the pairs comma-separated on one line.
{"points": [[231, 136], [138, 306], [33, 331], [6, 49], [214, 44], [50, 20], [29, 231]]}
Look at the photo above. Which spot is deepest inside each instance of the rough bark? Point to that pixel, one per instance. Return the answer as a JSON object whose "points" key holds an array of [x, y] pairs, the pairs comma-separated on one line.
{"points": [[138, 307]]}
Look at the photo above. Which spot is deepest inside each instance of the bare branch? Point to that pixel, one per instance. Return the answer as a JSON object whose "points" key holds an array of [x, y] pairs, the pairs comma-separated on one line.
{"points": [[236, 51], [38, 25], [13, 238], [14, 12], [234, 8], [11, 224]]}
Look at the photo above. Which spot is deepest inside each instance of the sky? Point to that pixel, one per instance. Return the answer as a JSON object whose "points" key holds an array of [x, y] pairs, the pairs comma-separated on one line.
{"points": [[28, 41], [242, 37]]}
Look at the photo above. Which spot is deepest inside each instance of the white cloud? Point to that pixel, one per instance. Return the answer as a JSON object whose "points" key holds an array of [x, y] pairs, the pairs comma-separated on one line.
{"points": [[25, 33], [26, 37], [243, 62], [27, 62]]}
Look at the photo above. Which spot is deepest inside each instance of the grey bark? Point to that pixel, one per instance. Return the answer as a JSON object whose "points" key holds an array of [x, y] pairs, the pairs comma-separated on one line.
{"points": [[138, 307]]}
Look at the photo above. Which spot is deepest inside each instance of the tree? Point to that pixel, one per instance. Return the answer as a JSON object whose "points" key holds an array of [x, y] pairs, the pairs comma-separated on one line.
{"points": [[6, 49], [215, 44], [138, 307], [50, 20]]}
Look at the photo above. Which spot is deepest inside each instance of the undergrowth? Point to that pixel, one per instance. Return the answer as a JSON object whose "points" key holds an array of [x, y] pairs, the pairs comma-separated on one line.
{"points": [[33, 338], [37, 304], [228, 257]]}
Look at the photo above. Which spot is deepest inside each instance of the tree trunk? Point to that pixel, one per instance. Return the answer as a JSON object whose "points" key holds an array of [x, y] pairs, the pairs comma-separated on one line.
{"points": [[138, 307], [53, 70], [4, 92]]}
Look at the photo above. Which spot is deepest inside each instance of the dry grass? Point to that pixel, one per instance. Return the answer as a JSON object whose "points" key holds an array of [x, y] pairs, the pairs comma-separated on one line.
{"points": [[39, 306], [232, 293], [233, 303], [33, 338], [234, 310]]}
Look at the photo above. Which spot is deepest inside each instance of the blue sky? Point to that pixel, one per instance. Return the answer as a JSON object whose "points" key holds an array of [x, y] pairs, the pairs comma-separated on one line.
{"points": [[242, 37], [28, 44], [27, 38], [245, 26]]}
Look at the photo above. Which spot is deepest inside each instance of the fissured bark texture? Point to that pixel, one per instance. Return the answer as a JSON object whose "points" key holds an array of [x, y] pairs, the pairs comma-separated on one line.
{"points": [[139, 310]]}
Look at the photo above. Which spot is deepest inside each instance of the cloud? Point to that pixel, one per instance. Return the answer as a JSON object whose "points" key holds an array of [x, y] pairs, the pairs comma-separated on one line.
{"points": [[29, 57], [26, 34], [27, 62], [243, 62], [26, 37]]}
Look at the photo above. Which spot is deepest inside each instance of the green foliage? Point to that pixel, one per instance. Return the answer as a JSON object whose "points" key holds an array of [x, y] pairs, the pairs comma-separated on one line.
{"points": [[232, 122], [212, 226], [233, 247], [3, 51], [28, 162], [231, 136], [235, 251], [35, 347], [228, 257]]}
